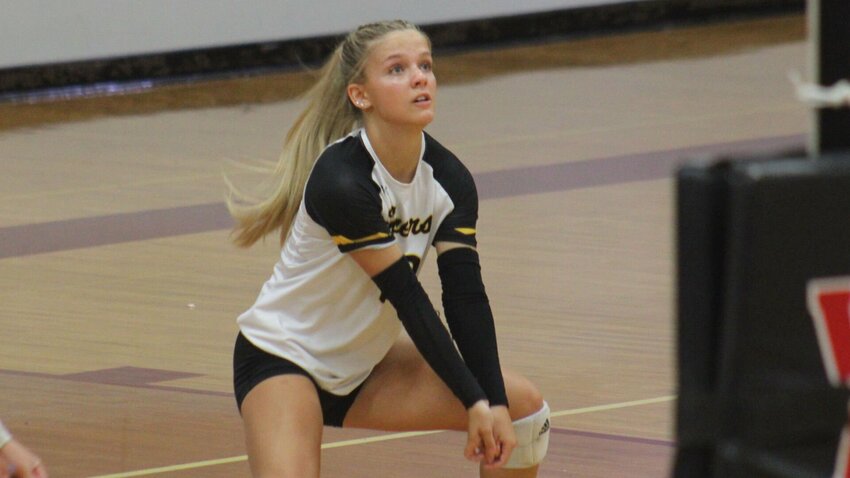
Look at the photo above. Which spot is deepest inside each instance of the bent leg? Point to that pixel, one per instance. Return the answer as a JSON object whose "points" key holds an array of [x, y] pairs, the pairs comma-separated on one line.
{"points": [[404, 394], [283, 427]]}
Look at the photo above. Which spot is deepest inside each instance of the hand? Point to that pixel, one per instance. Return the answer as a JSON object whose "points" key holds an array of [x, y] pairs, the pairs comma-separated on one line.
{"points": [[22, 462], [480, 444], [503, 434]]}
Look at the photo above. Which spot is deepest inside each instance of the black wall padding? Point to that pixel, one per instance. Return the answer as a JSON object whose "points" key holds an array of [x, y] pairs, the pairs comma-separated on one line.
{"points": [[754, 400]]}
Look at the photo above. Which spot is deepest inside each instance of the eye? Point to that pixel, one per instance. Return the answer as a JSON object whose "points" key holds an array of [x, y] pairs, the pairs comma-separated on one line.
{"points": [[427, 66], [396, 69]]}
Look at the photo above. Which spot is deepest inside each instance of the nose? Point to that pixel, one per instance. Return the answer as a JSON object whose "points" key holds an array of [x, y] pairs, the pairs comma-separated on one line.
{"points": [[420, 78]]}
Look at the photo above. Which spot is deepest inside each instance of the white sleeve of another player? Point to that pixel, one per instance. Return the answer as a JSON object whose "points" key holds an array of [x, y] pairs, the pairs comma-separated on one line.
{"points": [[5, 436]]}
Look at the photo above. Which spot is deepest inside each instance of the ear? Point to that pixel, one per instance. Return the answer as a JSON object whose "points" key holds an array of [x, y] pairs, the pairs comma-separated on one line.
{"points": [[357, 95]]}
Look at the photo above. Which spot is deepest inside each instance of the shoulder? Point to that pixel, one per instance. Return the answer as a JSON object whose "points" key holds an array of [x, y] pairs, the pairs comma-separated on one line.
{"points": [[342, 197], [343, 167], [340, 183], [343, 160], [449, 171], [440, 158]]}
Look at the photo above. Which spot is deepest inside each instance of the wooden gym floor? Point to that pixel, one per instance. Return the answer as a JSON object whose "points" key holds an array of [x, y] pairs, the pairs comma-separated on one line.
{"points": [[120, 288]]}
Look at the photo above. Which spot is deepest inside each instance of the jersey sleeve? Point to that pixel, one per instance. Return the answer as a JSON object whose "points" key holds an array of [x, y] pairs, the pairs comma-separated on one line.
{"points": [[346, 202], [459, 225]]}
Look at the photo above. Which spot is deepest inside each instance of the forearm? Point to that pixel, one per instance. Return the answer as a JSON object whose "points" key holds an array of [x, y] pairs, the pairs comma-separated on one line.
{"points": [[477, 344], [400, 286], [470, 319]]}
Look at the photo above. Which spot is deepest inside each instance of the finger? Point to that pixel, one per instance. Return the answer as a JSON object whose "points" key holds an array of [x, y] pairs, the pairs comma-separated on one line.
{"points": [[23, 473], [496, 462], [507, 451], [473, 450], [504, 456], [491, 449], [27, 472]]}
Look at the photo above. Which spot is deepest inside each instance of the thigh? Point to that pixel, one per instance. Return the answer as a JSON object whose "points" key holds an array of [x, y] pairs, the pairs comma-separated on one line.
{"points": [[403, 393], [283, 427]]}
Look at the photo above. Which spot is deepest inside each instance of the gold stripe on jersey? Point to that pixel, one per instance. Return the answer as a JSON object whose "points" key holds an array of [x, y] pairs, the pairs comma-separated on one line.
{"points": [[344, 241], [466, 231]]}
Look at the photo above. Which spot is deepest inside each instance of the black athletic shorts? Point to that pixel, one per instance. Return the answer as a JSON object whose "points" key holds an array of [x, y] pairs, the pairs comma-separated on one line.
{"points": [[252, 365]]}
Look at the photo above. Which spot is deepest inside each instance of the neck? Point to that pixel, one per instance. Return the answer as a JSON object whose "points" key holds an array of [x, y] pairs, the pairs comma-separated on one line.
{"points": [[398, 148]]}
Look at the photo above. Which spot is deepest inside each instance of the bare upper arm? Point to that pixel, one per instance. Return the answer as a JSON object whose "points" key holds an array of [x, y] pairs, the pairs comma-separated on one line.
{"points": [[444, 246], [375, 261]]}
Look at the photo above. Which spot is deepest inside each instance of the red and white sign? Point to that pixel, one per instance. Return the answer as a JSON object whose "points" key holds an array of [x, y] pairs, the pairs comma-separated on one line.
{"points": [[829, 305]]}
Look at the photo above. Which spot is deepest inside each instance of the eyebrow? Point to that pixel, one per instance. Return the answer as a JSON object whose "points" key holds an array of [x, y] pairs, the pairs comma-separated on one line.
{"points": [[396, 56]]}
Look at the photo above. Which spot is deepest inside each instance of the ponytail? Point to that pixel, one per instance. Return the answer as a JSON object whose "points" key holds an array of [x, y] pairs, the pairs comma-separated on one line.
{"points": [[329, 115]]}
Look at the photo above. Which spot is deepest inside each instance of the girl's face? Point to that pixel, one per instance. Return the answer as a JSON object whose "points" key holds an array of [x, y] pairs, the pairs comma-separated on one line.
{"points": [[399, 86]]}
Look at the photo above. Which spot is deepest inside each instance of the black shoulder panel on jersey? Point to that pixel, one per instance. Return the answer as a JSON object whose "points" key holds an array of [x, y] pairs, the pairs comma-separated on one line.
{"points": [[457, 181], [341, 196]]}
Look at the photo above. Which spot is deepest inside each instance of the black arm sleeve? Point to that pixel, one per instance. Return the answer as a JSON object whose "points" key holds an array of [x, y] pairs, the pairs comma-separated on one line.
{"points": [[400, 286], [470, 319]]}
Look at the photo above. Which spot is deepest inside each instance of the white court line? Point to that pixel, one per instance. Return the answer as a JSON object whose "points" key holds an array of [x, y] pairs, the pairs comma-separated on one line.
{"points": [[375, 439], [614, 406]]}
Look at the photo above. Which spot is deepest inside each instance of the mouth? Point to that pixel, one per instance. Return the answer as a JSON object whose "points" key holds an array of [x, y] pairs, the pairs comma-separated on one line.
{"points": [[423, 98]]}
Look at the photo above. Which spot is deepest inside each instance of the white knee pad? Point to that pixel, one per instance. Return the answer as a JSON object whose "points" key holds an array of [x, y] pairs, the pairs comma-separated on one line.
{"points": [[532, 439]]}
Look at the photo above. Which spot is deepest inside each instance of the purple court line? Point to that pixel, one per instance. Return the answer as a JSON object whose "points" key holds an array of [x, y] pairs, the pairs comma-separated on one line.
{"points": [[618, 169], [39, 238], [609, 436], [29, 239], [132, 377]]}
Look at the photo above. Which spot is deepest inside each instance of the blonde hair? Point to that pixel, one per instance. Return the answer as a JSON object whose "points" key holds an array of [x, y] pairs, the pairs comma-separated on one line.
{"points": [[329, 115]]}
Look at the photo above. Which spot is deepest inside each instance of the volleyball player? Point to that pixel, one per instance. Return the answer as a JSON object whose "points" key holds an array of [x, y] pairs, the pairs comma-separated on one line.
{"points": [[362, 194]]}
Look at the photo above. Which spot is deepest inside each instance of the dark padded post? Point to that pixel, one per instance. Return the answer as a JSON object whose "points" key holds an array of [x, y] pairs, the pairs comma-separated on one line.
{"points": [[754, 399]]}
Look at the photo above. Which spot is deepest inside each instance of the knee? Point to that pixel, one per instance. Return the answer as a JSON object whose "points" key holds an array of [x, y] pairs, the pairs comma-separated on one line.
{"points": [[531, 424], [524, 398]]}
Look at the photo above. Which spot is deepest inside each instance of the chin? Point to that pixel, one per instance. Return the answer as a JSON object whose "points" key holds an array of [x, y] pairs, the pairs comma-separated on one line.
{"points": [[425, 120], [420, 120]]}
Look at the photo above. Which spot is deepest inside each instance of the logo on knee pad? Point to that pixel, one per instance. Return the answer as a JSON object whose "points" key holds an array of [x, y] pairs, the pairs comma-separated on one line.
{"points": [[544, 429]]}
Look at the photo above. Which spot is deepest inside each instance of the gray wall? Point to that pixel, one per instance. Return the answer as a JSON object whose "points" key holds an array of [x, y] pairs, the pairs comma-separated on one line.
{"points": [[38, 32]]}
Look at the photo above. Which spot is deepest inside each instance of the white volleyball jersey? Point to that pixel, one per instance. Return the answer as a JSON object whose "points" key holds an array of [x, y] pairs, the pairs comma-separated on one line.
{"points": [[319, 309]]}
